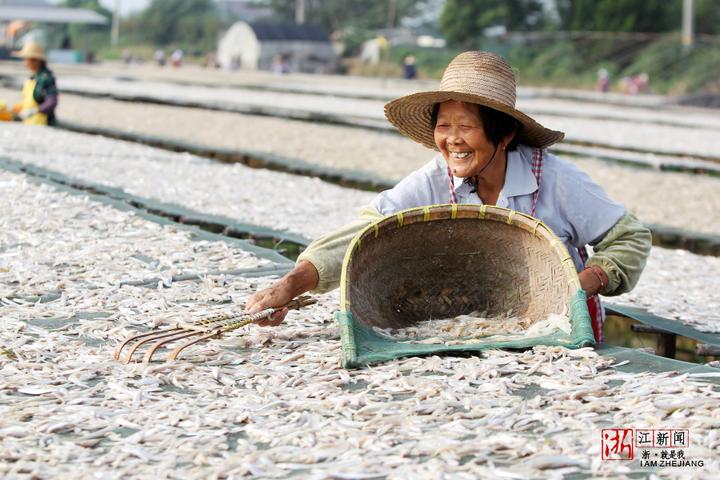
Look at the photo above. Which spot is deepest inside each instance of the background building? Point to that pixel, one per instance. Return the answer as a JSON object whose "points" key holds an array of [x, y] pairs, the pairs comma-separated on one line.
{"points": [[261, 46]]}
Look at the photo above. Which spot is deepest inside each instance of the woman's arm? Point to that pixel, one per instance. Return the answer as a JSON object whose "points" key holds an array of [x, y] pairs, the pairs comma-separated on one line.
{"points": [[588, 216], [317, 269], [621, 254], [303, 278], [48, 105], [327, 253]]}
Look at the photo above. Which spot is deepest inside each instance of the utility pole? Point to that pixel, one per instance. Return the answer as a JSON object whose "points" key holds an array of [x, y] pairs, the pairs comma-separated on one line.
{"points": [[299, 12], [392, 8], [115, 33], [687, 24]]}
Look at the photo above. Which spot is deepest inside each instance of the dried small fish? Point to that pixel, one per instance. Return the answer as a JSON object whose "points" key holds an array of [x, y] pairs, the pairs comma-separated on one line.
{"points": [[469, 328], [279, 401]]}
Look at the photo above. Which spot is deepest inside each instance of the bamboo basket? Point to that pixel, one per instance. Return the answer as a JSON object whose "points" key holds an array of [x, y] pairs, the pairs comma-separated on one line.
{"points": [[441, 261]]}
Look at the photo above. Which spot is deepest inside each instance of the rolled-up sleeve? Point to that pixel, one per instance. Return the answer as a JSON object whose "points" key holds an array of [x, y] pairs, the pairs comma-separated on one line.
{"points": [[327, 253], [622, 254]]}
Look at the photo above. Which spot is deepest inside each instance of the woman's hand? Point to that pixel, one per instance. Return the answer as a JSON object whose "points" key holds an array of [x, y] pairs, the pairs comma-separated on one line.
{"points": [[593, 280], [303, 278]]}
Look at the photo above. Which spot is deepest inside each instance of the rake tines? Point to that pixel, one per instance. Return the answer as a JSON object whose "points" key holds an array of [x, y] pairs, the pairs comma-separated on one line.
{"points": [[197, 331]]}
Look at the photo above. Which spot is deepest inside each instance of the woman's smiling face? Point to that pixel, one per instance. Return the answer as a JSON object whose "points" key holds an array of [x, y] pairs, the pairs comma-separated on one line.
{"points": [[460, 137]]}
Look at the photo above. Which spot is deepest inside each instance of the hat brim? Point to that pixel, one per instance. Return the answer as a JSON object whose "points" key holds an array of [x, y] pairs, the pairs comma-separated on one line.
{"points": [[20, 54], [412, 115]]}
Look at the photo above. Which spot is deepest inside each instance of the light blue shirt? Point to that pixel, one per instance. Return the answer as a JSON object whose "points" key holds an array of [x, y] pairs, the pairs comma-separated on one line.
{"points": [[577, 209]]}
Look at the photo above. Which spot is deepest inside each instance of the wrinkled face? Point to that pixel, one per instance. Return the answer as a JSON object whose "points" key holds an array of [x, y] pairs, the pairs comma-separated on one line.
{"points": [[32, 64], [460, 137]]}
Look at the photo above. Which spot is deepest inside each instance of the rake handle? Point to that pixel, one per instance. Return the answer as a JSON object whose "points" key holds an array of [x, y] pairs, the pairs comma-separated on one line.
{"points": [[205, 329], [295, 304]]}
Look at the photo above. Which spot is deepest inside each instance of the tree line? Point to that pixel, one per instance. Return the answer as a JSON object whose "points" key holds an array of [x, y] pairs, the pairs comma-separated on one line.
{"points": [[462, 22]]}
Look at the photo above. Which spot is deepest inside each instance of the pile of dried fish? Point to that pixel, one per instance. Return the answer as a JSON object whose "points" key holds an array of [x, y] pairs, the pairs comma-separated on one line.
{"points": [[692, 204], [468, 328], [192, 182], [273, 403], [679, 285], [676, 284]]}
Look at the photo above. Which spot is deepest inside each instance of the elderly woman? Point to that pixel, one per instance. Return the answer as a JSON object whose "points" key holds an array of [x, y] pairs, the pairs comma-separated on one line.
{"points": [[490, 153], [39, 94]]}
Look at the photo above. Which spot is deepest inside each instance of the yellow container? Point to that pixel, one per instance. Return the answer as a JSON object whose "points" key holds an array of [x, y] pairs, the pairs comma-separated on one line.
{"points": [[5, 114]]}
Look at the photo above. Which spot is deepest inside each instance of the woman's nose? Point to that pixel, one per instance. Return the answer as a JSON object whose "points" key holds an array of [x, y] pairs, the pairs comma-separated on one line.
{"points": [[454, 136]]}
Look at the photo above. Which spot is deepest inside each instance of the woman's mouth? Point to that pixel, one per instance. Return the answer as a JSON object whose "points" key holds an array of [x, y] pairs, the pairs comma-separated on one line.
{"points": [[459, 155]]}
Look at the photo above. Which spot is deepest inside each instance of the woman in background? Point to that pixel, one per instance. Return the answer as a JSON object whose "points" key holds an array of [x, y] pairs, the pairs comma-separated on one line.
{"points": [[39, 94]]}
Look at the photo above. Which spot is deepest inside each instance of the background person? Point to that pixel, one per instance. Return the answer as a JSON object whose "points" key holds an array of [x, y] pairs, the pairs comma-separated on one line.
{"points": [[176, 58], [159, 57], [409, 68], [603, 81], [39, 93]]}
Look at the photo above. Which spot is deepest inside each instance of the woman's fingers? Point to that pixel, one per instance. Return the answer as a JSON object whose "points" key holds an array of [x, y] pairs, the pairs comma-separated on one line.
{"points": [[268, 298], [275, 319], [272, 297], [253, 301], [303, 278]]}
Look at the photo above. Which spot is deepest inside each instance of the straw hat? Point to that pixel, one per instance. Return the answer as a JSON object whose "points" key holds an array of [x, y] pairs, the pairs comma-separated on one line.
{"points": [[31, 50], [474, 77]]}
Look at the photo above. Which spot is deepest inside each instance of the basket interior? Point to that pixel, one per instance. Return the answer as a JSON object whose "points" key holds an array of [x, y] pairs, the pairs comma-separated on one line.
{"points": [[447, 267]]}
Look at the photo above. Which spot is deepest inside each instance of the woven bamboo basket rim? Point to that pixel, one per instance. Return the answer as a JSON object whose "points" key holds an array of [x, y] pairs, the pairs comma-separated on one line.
{"points": [[438, 212]]}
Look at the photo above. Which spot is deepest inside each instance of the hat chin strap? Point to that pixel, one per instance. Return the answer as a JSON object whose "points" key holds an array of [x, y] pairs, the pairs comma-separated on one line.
{"points": [[477, 175]]}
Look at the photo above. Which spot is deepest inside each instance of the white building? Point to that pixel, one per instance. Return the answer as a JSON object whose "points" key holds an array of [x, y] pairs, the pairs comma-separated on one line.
{"points": [[258, 46], [17, 17]]}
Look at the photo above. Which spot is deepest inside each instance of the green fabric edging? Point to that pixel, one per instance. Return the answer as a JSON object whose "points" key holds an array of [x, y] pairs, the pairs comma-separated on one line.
{"points": [[122, 201], [363, 346], [639, 361], [667, 324]]}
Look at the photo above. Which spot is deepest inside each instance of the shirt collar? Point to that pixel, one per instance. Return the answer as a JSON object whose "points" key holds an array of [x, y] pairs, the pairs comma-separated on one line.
{"points": [[457, 181], [519, 178]]}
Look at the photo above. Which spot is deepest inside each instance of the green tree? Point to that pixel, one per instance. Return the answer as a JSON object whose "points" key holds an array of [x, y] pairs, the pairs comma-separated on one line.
{"points": [[707, 17], [88, 4], [463, 21], [190, 22], [620, 15]]}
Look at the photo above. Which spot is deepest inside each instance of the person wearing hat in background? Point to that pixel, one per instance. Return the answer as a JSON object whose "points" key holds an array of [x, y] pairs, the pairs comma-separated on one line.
{"points": [[409, 68], [39, 93], [490, 153]]}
